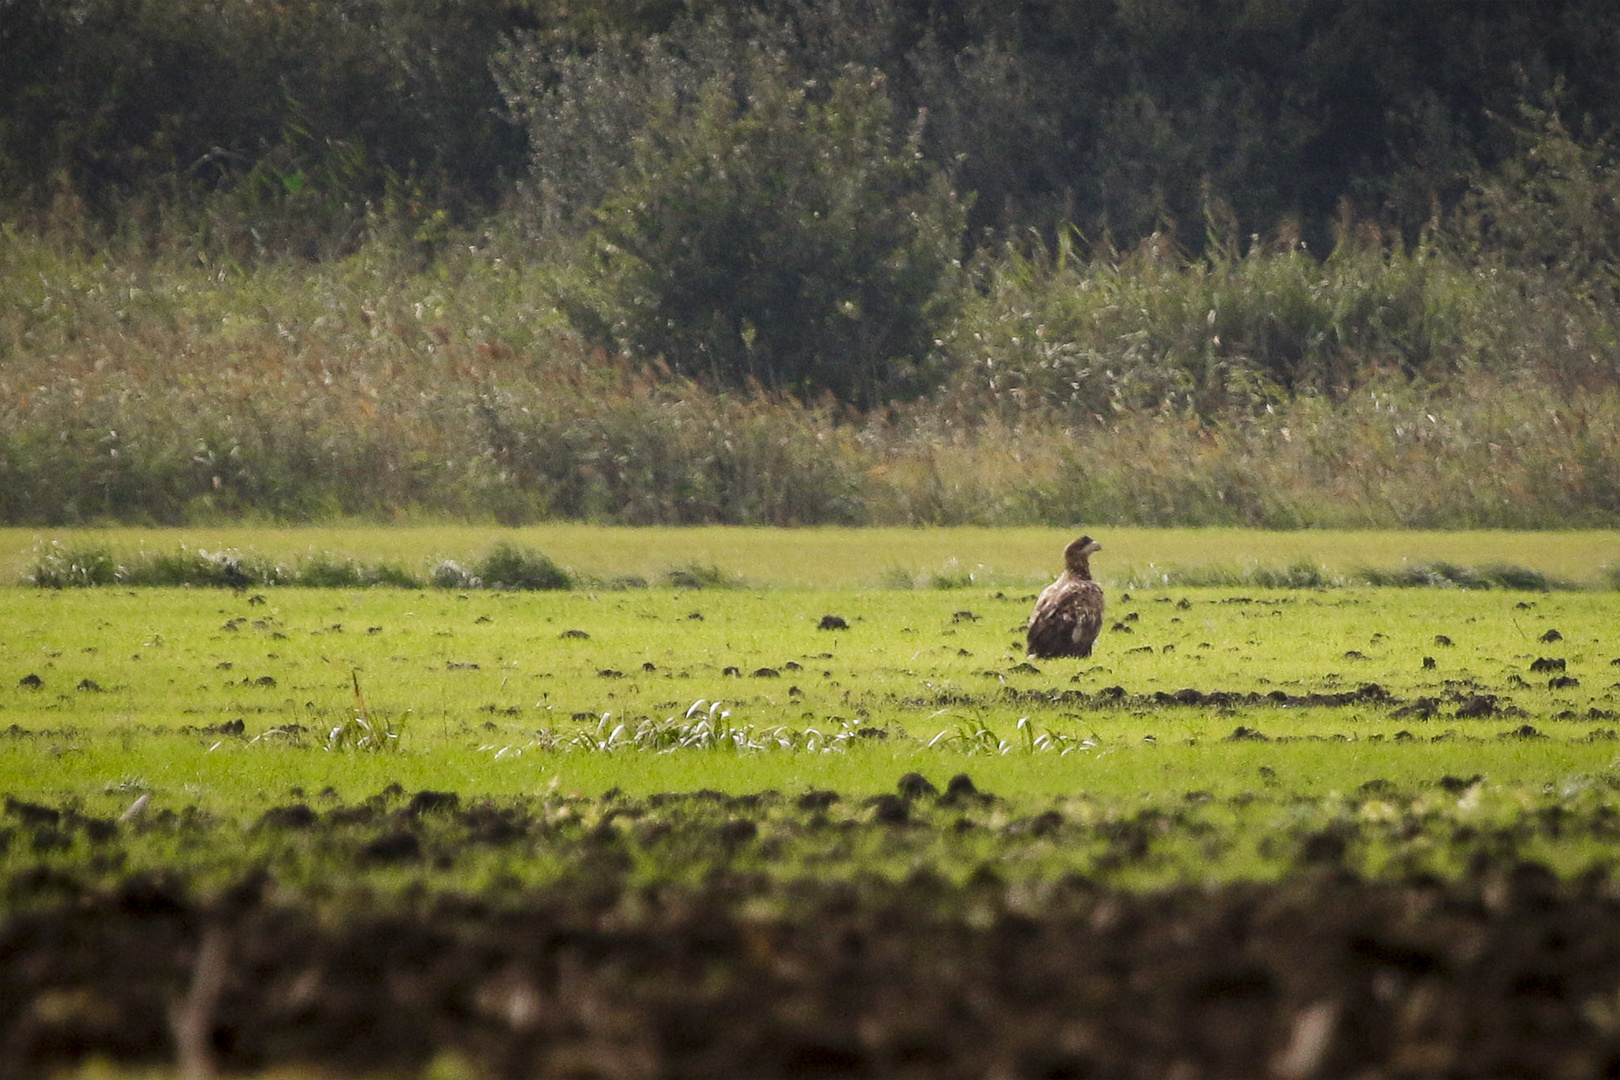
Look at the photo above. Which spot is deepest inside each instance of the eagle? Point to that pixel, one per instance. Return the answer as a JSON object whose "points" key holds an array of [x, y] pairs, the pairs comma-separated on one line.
{"points": [[1069, 612]]}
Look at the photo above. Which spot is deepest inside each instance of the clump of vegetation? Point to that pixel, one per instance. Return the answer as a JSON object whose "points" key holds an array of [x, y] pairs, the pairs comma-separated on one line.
{"points": [[705, 726], [952, 577], [518, 569], [361, 730], [897, 577], [208, 569], [1300, 574], [503, 567], [509, 567], [696, 575], [832, 272], [331, 572], [60, 567], [1445, 574]]}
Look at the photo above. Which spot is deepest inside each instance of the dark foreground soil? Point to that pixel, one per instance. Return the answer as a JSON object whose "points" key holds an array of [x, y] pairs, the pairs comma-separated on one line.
{"points": [[719, 965], [1514, 975]]}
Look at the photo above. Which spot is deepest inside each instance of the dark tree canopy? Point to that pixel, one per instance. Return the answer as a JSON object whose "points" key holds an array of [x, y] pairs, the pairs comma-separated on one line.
{"points": [[1119, 116]]}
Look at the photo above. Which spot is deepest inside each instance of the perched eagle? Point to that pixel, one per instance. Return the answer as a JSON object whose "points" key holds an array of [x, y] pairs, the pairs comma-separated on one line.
{"points": [[1070, 610]]}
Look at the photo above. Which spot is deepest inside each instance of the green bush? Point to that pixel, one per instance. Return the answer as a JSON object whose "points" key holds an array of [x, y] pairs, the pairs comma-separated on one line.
{"points": [[1552, 207], [793, 242], [514, 568], [756, 224]]}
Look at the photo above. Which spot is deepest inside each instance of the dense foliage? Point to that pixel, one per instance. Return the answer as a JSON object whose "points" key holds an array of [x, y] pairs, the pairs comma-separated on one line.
{"points": [[766, 228], [1146, 261], [1118, 115]]}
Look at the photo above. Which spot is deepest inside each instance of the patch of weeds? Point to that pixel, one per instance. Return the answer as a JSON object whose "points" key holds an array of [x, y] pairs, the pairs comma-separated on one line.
{"points": [[699, 576], [615, 583], [449, 574], [362, 731], [897, 577], [1442, 574], [981, 739], [330, 572], [1299, 574], [202, 569], [1305, 574], [62, 567], [706, 725], [1523, 578], [952, 576]]}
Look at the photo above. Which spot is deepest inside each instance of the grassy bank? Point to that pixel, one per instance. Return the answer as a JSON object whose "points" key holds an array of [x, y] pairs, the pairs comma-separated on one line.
{"points": [[862, 558]]}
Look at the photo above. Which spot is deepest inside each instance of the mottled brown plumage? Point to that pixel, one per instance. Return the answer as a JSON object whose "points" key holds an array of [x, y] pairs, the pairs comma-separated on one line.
{"points": [[1069, 613]]}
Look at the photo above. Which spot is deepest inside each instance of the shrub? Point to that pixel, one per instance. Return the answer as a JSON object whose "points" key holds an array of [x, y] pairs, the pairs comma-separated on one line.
{"points": [[794, 242], [758, 225], [519, 569]]}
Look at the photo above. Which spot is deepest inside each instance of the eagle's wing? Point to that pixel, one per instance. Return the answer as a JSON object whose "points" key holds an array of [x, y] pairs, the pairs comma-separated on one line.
{"points": [[1067, 618]]}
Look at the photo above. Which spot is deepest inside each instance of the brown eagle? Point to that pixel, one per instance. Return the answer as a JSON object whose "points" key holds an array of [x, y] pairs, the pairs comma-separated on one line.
{"points": [[1069, 612]]}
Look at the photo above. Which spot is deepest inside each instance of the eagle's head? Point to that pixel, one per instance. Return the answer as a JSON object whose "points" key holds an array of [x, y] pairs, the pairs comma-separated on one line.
{"points": [[1077, 556]]}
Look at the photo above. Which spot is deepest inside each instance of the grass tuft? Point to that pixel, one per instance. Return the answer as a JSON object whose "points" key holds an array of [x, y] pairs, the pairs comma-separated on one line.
{"points": [[897, 577], [361, 730], [702, 576], [61, 567]]}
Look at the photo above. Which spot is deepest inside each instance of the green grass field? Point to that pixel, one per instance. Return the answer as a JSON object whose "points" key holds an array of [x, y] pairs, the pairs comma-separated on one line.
{"points": [[1271, 704], [329, 799]]}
